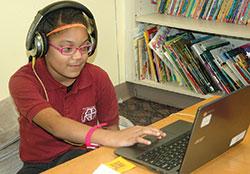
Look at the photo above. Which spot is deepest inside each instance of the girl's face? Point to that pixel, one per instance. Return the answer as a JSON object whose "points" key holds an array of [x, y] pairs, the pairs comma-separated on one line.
{"points": [[65, 69]]}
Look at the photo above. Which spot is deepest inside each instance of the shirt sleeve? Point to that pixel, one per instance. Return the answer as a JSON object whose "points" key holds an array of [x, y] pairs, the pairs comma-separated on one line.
{"points": [[28, 95]]}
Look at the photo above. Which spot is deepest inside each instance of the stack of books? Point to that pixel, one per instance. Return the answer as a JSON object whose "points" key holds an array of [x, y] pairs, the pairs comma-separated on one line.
{"points": [[204, 63], [231, 11]]}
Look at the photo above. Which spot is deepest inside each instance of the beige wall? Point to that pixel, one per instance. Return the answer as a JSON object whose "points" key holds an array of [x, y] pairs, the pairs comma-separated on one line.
{"points": [[16, 17]]}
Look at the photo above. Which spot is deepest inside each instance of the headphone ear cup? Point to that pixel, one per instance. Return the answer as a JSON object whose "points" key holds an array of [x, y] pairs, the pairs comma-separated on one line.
{"points": [[93, 42], [40, 45]]}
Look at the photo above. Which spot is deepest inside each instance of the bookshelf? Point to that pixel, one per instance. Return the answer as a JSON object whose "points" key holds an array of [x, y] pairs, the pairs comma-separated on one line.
{"points": [[198, 25], [141, 11]]}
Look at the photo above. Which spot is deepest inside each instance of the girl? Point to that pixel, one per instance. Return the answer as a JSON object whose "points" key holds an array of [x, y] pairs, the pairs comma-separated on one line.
{"points": [[61, 98]]}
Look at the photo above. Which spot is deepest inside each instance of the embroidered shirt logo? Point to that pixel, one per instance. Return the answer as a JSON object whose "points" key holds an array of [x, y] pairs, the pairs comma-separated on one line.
{"points": [[88, 114]]}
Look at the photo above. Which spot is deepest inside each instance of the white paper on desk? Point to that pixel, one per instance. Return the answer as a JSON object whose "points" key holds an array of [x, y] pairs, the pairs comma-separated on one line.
{"points": [[103, 169]]}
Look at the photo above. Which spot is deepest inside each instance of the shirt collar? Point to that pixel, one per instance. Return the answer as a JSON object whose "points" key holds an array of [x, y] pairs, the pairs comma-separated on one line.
{"points": [[84, 79]]}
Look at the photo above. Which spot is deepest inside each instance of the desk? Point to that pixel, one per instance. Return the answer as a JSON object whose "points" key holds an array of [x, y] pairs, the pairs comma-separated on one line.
{"points": [[234, 161]]}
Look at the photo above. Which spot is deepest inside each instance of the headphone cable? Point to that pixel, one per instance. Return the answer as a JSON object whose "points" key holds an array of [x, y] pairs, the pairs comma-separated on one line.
{"points": [[44, 89]]}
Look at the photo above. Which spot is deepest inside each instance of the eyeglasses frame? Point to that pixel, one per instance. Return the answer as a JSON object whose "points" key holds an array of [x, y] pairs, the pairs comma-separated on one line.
{"points": [[60, 49]]}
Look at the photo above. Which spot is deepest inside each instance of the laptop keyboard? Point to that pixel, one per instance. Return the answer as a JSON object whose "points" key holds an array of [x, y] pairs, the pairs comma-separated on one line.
{"points": [[167, 156]]}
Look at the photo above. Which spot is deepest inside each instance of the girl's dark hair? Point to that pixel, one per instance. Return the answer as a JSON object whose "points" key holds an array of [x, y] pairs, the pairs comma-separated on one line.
{"points": [[60, 18]]}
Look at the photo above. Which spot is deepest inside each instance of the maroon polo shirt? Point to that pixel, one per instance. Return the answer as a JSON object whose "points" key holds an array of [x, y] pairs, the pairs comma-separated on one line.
{"points": [[92, 98]]}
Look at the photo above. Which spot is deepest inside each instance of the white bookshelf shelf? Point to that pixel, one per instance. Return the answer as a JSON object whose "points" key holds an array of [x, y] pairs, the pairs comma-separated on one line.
{"points": [[198, 25], [172, 87]]}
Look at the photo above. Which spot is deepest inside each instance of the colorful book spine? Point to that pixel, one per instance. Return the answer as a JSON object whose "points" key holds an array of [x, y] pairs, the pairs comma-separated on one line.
{"points": [[179, 12], [203, 9], [211, 9], [198, 7], [162, 6], [235, 11], [237, 18], [228, 17], [216, 13], [189, 8], [222, 10], [167, 6], [188, 76], [209, 3], [224, 18], [176, 7], [150, 56], [194, 8], [245, 17]]}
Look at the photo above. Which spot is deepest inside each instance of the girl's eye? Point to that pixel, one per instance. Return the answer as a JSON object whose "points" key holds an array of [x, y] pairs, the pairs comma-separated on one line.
{"points": [[86, 48], [68, 50]]}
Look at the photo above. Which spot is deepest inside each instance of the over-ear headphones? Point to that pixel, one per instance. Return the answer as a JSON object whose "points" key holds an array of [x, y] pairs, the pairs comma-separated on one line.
{"points": [[36, 42]]}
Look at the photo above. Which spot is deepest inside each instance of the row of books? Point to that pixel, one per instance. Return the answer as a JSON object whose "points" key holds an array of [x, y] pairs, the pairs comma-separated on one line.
{"points": [[231, 11], [204, 64]]}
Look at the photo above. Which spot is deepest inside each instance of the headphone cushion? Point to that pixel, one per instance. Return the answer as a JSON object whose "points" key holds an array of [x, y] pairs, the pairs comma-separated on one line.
{"points": [[45, 44]]}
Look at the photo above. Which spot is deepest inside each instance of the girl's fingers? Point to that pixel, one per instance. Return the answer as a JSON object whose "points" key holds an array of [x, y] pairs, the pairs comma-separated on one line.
{"points": [[143, 141]]}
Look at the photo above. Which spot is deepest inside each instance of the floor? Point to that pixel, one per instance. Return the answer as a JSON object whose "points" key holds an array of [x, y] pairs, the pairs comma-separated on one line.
{"points": [[143, 112]]}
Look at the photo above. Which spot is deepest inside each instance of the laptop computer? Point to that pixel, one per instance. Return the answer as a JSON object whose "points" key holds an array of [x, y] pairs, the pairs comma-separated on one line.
{"points": [[218, 126]]}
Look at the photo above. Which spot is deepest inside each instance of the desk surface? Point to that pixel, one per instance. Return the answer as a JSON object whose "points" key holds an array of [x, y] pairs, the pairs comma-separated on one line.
{"points": [[234, 161]]}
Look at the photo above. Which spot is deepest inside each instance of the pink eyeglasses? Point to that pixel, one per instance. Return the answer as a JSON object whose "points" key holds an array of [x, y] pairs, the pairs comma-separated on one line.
{"points": [[69, 51]]}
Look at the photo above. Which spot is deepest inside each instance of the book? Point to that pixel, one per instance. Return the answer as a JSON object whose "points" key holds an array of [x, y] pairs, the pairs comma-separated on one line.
{"points": [[162, 6], [170, 6], [203, 38], [230, 12], [176, 7], [174, 69], [216, 13], [221, 80], [137, 64], [184, 67], [181, 48], [210, 75], [245, 61], [143, 64], [230, 4], [147, 33], [222, 10], [198, 8], [203, 8], [215, 43], [154, 1], [159, 70], [237, 17], [234, 11], [189, 8], [155, 58], [166, 8], [181, 8], [231, 60], [207, 47], [185, 8], [211, 10], [157, 42], [246, 5], [196, 2], [158, 6], [204, 15], [177, 70], [218, 57], [246, 16]]}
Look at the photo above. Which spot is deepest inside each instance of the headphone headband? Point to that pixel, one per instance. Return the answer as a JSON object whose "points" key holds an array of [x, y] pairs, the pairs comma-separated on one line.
{"points": [[52, 7]]}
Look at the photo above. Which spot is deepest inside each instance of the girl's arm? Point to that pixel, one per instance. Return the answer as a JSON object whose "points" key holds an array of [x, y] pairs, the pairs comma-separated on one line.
{"points": [[73, 131]]}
